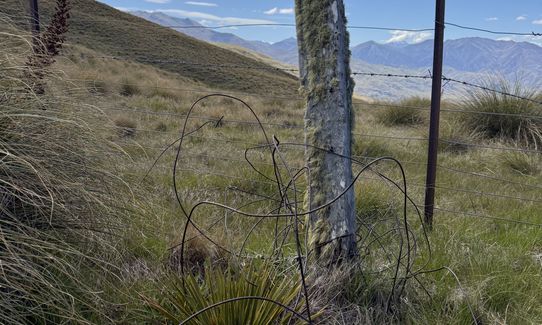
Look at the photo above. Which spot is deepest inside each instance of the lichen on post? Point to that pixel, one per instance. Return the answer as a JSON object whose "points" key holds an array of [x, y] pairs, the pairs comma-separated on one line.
{"points": [[325, 79]]}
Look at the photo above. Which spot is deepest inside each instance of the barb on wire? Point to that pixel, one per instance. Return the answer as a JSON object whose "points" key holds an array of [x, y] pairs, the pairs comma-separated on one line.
{"points": [[406, 76]]}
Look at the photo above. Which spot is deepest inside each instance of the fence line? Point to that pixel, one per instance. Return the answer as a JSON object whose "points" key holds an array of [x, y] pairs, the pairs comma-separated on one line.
{"points": [[492, 31], [457, 190], [269, 68], [290, 126], [366, 105], [370, 105], [510, 220], [440, 167], [470, 214]]}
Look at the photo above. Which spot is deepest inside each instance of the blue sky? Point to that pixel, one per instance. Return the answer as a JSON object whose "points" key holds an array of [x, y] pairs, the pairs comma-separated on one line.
{"points": [[518, 15]]}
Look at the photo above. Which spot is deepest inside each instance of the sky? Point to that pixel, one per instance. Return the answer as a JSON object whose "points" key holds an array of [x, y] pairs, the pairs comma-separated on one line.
{"points": [[501, 15]]}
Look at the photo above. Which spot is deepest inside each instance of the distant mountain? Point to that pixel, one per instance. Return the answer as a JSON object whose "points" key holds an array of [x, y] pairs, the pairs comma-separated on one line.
{"points": [[480, 55], [198, 31]]}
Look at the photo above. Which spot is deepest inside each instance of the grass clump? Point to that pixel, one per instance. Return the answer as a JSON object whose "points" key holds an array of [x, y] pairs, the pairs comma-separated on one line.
{"points": [[128, 88], [505, 117], [407, 112], [455, 137], [55, 204], [371, 148], [522, 163], [97, 87], [126, 126], [372, 202], [182, 301]]}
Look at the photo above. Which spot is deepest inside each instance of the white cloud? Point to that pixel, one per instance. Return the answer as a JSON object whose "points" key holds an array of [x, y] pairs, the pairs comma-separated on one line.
{"points": [[408, 37], [126, 9], [522, 17], [159, 1], [492, 19], [537, 22], [212, 19], [203, 4], [281, 11]]}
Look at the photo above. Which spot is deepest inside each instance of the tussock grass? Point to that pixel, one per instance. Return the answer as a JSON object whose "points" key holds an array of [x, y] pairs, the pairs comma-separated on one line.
{"points": [[489, 257], [371, 148], [520, 122], [126, 126], [56, 208], [129, 88], [455, 136], [522, 163], [408, 115]]}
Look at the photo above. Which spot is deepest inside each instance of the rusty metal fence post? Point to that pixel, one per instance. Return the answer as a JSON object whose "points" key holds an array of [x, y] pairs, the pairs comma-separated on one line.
{"points": [[435, 114]]}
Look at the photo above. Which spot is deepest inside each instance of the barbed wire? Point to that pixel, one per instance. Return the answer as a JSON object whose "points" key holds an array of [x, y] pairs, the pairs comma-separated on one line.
{"points": [[441, 187], [366, 104], [492, 31], [293, 126], [200, 171], [293, 25], [373, 74], [358, 27], [24, 18], [504, 93]]}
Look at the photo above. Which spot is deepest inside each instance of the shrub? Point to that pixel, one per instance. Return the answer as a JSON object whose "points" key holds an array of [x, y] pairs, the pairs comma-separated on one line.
{"points": [[504, 117], [523, 163], [98, 87], [455, 137], [126, 127], [128, 88], [409, 111]]}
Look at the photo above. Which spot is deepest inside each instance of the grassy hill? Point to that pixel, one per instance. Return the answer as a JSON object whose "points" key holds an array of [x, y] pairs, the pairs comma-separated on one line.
{"points": [[114, 33]]}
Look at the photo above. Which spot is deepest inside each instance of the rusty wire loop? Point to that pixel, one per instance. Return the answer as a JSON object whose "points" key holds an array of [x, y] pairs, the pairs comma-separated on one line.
{"points": [[286, 186]]}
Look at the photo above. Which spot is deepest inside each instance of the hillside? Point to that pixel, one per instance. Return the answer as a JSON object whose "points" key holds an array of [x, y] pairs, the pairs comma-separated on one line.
{"points": [[114, 33], [284, 51]]}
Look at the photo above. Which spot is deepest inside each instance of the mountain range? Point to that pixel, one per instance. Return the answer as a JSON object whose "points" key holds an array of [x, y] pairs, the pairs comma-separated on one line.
{"points": [[472, 59], [282, 51]]}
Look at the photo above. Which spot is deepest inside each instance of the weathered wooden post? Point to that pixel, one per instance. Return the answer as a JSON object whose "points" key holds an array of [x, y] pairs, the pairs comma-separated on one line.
{"points": [[324, 56]]}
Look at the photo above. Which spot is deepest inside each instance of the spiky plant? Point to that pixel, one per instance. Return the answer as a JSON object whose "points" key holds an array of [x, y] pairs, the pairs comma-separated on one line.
{"points": [[185, 297]]}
